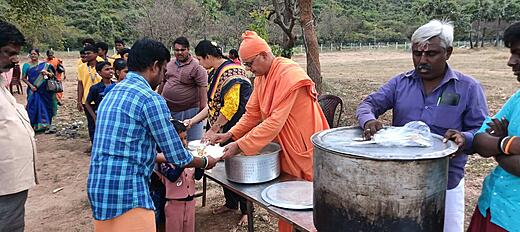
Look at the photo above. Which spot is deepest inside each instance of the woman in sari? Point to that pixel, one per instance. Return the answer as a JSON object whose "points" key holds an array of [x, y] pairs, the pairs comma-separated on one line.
{"points": [[41, 104], [228, 93]]}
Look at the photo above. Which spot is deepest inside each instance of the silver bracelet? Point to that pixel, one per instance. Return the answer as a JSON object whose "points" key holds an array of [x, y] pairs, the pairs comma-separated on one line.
{"points": [[502, 143]]}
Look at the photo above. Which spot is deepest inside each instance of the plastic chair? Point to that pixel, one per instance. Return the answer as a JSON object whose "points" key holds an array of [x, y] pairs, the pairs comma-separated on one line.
{"points": [[329, 105]]}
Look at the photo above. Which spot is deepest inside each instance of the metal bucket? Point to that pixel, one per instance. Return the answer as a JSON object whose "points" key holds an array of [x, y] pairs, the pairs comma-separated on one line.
{"points": [[256, 168], [376, 188]]}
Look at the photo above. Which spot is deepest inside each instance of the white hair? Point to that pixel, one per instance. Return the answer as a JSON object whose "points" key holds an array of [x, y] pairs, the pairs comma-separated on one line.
{"points": [[434, 28]]}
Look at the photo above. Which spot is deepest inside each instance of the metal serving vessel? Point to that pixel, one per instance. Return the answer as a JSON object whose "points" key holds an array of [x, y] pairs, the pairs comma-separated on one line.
{"points": [[378, 188], [256, 168]]}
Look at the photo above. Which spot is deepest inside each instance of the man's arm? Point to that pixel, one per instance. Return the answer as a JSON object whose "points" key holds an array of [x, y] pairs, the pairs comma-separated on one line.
{"points": [[197, 162], [79, 105], [203, 96], [510, 163], [474, 116], [91, 111], [90, 97], [377, 103], [156, 115], [201, 79], [487, 145], [269, 128], [487, 142]]}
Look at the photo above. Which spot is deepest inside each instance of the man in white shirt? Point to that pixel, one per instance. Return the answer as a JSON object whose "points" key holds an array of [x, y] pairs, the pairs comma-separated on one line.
{"points": [[18, 147]]}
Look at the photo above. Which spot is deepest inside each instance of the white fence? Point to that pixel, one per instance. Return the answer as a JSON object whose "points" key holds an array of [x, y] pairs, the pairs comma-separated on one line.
{"points": [[406, 46], [333, 47]]}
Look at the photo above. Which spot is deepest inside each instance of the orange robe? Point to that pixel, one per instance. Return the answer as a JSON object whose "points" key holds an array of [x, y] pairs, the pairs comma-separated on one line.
{"points": [[283, 108]]}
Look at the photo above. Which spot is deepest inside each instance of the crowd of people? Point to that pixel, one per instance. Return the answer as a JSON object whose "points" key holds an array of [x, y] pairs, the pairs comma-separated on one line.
{"points": [[143, 107]]}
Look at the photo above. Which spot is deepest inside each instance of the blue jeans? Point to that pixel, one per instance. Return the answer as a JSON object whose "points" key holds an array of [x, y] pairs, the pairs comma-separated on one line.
{"points": [[196, 131]]}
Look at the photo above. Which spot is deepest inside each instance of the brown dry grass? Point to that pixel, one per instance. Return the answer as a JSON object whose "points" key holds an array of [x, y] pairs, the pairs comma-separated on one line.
{"points": [[350, 75]]}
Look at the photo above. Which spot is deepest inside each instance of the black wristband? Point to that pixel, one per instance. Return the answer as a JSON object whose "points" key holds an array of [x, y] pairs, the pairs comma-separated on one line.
{"points": [[205, 163]]}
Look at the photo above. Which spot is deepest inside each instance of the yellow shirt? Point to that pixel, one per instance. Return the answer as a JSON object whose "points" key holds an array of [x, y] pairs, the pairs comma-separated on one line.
{"points": [[115, 56], [109, 59], [80, 62], [98, 59], [88, 77]]}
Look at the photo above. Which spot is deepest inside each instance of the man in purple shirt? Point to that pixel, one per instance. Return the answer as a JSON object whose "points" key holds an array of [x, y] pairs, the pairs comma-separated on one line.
{"points": [[185, 87], [451, 103]]}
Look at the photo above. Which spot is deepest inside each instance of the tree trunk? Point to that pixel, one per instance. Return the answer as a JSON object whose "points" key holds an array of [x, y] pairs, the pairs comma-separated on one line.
{"points": [[285, 18], [483, 36], [479, 20], [477, 34], [311, 42], [497, 36], [470, 38]]}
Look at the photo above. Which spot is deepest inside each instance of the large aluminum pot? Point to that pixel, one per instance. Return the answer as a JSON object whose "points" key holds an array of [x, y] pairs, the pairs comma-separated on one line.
{"points": [[376, 188], [259, 168]]}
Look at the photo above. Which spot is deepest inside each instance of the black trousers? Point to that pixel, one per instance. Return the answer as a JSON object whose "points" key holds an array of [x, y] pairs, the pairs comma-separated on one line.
{"points": [[12, 212], [233, 201], [90, 124]]}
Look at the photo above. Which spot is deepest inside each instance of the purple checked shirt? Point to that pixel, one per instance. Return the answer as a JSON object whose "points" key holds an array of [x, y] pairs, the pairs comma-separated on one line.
{"points": [[457, 103]]}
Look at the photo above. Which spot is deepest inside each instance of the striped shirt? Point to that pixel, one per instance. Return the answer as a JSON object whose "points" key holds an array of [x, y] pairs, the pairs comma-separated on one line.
{"points": [[131, 121]]}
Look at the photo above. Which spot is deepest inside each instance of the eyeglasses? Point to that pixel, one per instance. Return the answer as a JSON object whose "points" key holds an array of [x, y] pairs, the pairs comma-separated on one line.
{"points": [[179, 50], [249, 64]]}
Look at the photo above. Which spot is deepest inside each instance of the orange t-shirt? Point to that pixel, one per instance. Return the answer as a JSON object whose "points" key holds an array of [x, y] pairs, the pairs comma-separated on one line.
{"points": [[54, 62]]}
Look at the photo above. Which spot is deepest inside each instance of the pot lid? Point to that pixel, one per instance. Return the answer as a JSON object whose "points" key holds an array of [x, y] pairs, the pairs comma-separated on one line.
{"points": [[339, 141], [289, 194]]}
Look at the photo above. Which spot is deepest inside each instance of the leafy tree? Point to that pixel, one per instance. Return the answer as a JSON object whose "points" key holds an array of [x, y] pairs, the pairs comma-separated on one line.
{"points": [[36, 20]]}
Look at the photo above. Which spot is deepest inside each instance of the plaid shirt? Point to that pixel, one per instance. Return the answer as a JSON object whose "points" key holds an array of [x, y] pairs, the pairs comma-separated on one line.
{"points": [[131, 121]]}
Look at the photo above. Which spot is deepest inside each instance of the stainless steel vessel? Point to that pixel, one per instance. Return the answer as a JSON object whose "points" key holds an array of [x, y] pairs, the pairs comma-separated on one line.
{"points": [[376, 188], [256, 168]]}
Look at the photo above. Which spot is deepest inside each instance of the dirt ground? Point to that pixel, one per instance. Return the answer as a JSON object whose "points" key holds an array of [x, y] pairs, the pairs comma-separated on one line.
{"points": [[62, 163]]}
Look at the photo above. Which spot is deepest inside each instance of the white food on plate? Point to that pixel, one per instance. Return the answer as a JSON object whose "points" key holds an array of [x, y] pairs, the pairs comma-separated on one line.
{"points": [[214, 151]]}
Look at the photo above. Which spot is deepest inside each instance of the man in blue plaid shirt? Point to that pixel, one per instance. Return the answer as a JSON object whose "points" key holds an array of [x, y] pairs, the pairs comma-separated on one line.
{"points": [[132, 121]]}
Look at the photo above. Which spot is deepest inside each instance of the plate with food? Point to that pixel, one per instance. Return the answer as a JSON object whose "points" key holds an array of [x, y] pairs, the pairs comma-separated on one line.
{"points": [[204, 149]]}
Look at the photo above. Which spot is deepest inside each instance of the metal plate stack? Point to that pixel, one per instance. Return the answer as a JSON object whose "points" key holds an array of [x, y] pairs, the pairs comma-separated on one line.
{"points": [[289, 195]]}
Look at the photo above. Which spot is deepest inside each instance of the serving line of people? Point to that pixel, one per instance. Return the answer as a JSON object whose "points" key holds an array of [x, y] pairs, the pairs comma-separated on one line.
{"points": [[132, 121]]}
